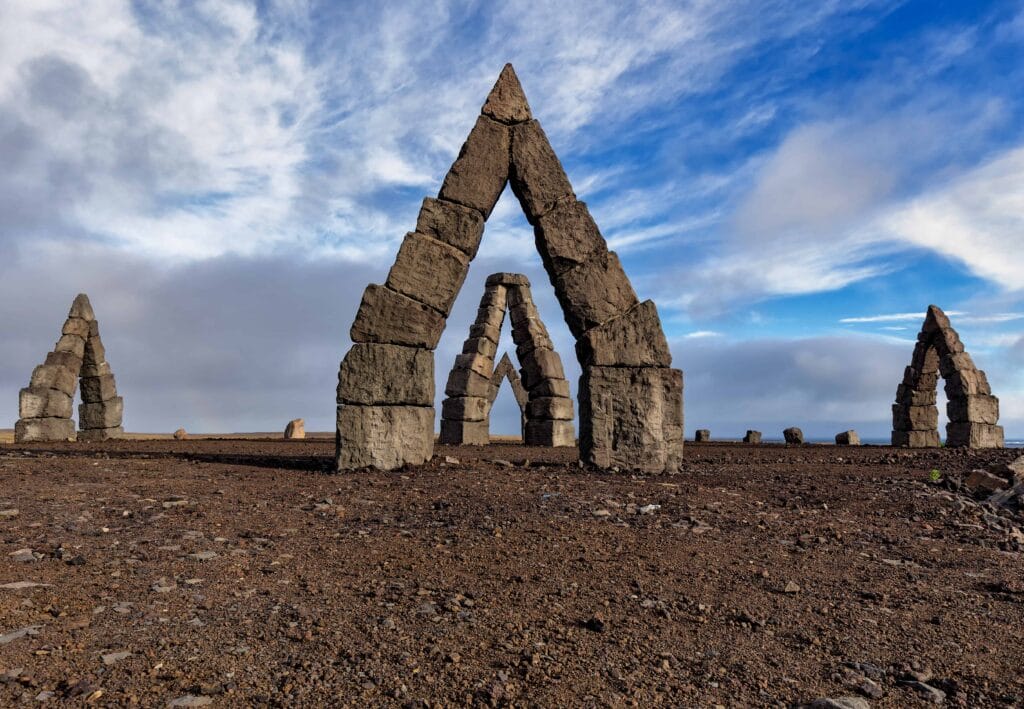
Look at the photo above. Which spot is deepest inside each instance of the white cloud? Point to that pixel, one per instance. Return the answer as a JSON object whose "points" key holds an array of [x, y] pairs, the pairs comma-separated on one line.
{"points": [[698, 334], [893, 317]]}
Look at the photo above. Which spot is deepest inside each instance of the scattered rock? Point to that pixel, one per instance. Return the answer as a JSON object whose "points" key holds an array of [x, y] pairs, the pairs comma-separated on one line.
{"points": [[115, 657], [596, 624], [20, 633], [190, 700], [794, 436], [295, 430], [839, 703], [927, 692], [791, 587], [181, 435]]}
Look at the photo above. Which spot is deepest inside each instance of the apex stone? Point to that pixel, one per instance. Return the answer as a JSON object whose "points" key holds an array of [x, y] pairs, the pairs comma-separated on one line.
{"points": [[507, 102]]}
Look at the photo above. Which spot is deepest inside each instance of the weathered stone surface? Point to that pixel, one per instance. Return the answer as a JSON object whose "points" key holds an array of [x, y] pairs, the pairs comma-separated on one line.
{"points": [[594, 292], [97, 389], [847, 438], [916, 379], [81, 308], [49, 376], [464, 433], [76, 326], [702, 435], [490, 318], [106, 414], [539, 364], [46, 429], [507, 279], [914, 397], [551, 433], [181, 435], [506, 370], [973, 435], [464, 408], [72, 344], [633, 339], [537, 177], [478, 363], [632, 418], [507, 102], [967, 382], [483, 346], [914, 418], [567, 236], [95, 370], [550, 407], [373, 374], [752, 437], [916, 439], [295, 430], [101, 434], [551, 387], [935, 319], [429, 272], [479, 174], [793, 436], [489, 331], [975, 408], [95, 353], [37, 402], [518, 295], [384, 437], [465, 382], [390, 318], [451, 223]]}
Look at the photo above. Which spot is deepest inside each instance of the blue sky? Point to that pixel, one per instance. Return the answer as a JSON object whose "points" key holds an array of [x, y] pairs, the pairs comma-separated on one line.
{"points": [[790, 182]]}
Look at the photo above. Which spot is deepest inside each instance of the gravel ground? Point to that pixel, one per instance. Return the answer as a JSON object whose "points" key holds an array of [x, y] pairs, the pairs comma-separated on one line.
{"points": [[242, 572]]}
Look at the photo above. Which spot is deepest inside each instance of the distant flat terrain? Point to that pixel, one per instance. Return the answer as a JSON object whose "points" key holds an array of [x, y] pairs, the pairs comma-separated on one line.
{"points": [[248, 573]]}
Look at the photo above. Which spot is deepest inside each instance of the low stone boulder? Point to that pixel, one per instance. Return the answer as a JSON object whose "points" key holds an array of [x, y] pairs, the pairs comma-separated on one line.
{"points": [[702, 435], [982, 481], [295, 430], [794, 436], [180, 435], [847, 438], [752, 437]]}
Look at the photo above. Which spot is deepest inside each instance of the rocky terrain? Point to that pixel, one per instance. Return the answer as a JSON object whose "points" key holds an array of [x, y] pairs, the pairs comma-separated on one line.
{"points": [[242, 572]]}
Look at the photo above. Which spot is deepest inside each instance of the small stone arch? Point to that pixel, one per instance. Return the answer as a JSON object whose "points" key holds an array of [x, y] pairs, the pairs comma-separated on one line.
{"points": [[506, 371], [542, 392], [630, 398], [972, 410], [45, 406]]}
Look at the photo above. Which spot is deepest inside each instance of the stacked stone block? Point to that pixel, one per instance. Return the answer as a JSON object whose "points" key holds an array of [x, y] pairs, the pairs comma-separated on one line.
{"points": [[630, 397], [45, 406], [972, 410], [472, 384]]}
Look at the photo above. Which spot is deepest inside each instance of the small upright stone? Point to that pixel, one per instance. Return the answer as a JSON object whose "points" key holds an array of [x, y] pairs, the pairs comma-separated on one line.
{"points": [[702, 435], [295, 430], [180, 435], [794, 436], [752, 436], [847, 438]]}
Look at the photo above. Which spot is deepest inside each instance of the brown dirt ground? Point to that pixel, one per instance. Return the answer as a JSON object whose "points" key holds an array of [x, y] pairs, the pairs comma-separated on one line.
{"points": [[510, 577]]}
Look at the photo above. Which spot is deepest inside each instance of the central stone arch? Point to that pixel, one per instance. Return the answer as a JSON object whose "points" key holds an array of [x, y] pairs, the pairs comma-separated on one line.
{"points": [[630, 399], [972, 410]]}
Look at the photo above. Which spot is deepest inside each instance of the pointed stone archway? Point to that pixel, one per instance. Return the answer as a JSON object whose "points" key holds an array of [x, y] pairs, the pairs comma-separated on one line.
{"points": [[972, 410], [630, 399], [45, 406], [471, 388], [506, 371]]}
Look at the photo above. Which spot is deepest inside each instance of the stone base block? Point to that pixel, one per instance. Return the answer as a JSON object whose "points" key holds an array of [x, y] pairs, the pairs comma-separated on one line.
{"points": [[101, 434], [464, 433], [383, 437], [551, 434], [702, 435], [550, 407], [847, 438], [632, 418], [974, 435], [386, 375], [916, 439], [914, 418], [44, 429]]}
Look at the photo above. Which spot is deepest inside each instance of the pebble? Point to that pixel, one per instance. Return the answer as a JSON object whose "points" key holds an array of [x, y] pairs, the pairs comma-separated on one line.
{"points": [[791, 587], [23, 556], [927, 692], [114, 657], [190, 700], [20, 633], [9, 513], [19, 585], [203, 555], [839, 703]]}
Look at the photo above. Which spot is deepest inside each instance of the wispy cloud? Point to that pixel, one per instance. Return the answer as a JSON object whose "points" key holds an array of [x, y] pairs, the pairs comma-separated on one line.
{"points": [[892, 317]]}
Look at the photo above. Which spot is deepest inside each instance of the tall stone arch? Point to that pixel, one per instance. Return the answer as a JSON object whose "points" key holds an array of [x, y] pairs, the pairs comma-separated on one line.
{"points": [[471, 387], [506, 371], [972, 410], [45, 406], [630, 399]]}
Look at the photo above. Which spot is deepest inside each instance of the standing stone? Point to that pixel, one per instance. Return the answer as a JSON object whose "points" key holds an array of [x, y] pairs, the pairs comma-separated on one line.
{"points": [[972, 410], [847, 438], [702, 435], [295, 430], [46, 406], [752, 436], [794, 436], [180, 435]]}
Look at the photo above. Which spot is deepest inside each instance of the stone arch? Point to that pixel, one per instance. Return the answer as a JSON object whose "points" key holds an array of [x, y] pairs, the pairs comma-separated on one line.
{"points": [[472, 384], [45, 406], [630, 399], [506, 371], [972, 410]]}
